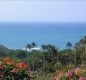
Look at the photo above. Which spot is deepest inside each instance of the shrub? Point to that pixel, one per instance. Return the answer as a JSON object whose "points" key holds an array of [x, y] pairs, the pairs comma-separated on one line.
{"points": [[72, 74], [13, 70]]}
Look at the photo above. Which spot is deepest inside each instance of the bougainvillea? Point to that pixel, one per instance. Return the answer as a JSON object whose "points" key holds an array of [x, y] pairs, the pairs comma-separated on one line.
{"points": [[72, 74], [13, 70]]}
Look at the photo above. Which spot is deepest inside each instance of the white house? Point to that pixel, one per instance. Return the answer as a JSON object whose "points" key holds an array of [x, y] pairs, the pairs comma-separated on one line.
{"points": [[29, 50]]}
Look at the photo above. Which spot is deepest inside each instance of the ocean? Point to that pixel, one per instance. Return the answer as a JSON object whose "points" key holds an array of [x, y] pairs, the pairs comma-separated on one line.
{"points": [[16, 35]]}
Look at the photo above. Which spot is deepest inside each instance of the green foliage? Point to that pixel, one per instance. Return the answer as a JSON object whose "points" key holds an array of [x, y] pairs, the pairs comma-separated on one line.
{"points": [[39, 75], [51, 67], [2, 54], [21, 54], [49, 58]]}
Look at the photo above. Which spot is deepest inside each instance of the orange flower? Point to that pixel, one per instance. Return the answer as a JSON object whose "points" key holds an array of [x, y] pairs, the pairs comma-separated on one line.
{"points": [[9, 61], [6, 59], [22, 65]]}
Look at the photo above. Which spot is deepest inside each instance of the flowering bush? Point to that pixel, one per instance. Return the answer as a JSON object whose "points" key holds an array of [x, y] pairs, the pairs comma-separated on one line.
{"points": [[13, 70], [72, 74]]}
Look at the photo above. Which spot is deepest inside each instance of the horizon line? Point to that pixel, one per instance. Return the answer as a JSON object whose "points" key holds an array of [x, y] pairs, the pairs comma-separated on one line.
{"points": [[45, 21]]}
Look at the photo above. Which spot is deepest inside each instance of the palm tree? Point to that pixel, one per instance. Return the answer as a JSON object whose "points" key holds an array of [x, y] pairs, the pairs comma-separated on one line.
{"points": [[33, 44], [69, 45], [28, 46]]}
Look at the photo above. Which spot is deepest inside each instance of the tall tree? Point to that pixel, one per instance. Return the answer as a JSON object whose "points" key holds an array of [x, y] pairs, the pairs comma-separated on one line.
{"points": [[28, 46], [43, 47], [83, 48], [54, 52], [80, 49], [69, 45], [33, 44]]}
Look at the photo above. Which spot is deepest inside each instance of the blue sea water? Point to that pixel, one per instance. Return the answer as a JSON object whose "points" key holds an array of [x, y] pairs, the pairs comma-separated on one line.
{"points": [[18, 34]]}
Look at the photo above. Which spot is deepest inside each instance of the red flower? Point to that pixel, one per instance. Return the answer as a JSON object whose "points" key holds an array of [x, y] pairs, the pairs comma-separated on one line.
{"points": [[22, 65]]}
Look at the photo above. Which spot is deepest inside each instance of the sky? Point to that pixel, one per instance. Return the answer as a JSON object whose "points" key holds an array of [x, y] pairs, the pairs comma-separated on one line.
{"points": [[43, 10]]}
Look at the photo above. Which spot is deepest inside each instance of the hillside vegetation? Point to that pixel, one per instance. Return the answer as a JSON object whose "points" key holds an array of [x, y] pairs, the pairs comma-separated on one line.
{"points": [[46, 62]]}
